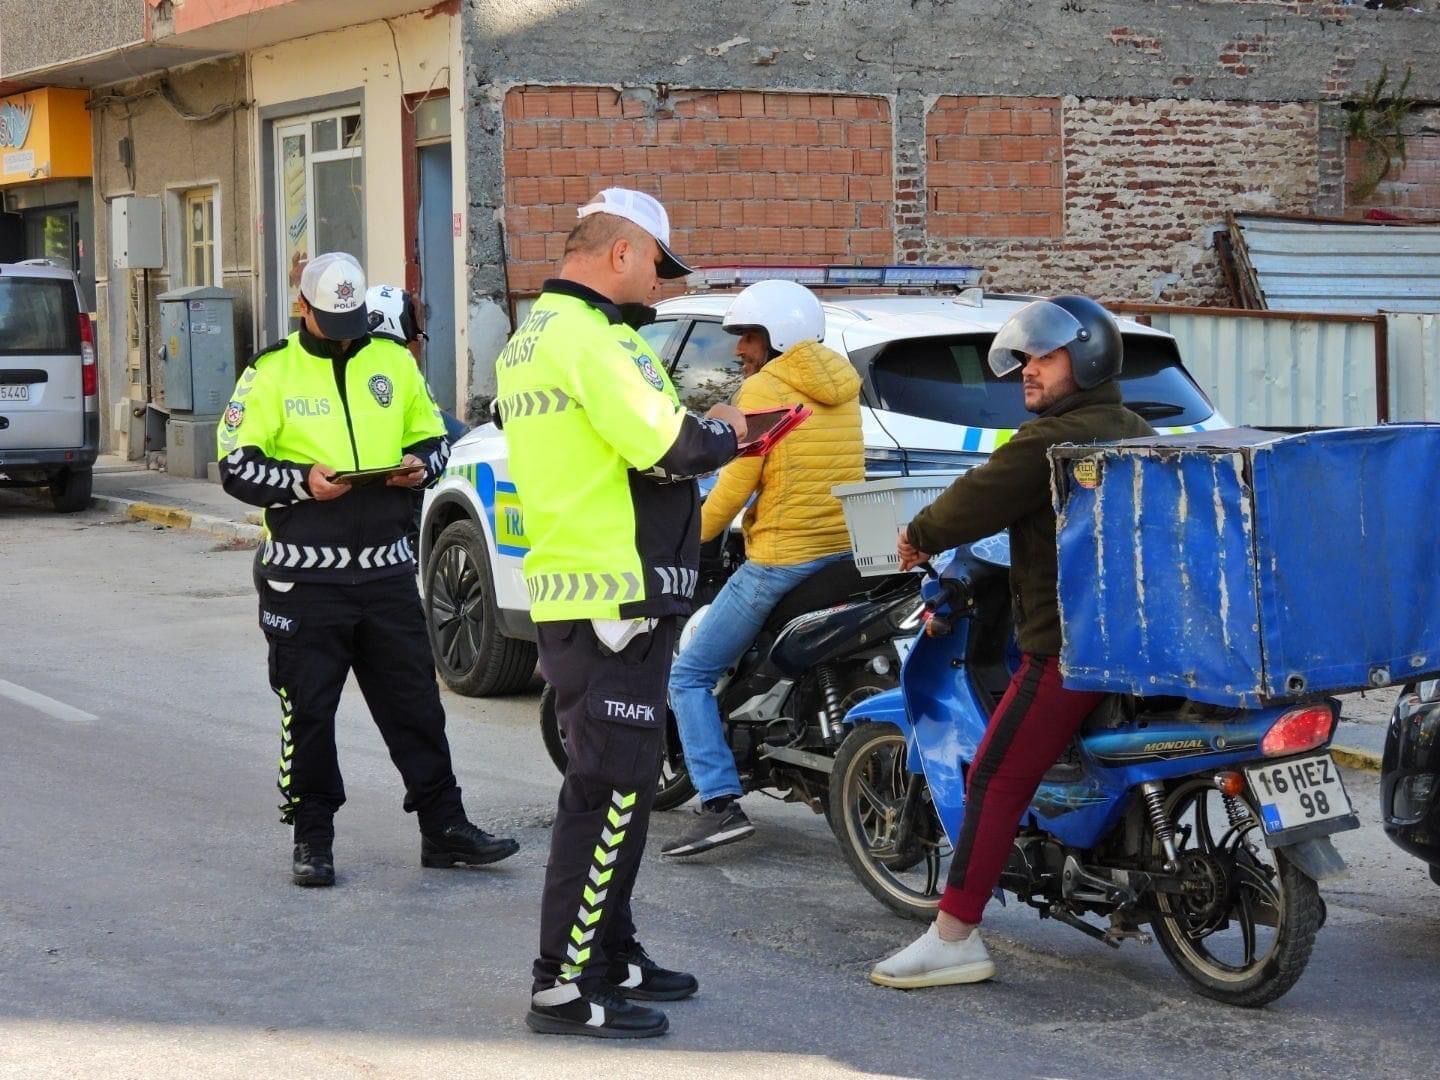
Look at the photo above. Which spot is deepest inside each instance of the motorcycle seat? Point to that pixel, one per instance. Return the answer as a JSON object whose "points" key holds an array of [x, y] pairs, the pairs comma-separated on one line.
{"points": [[828, 586]]}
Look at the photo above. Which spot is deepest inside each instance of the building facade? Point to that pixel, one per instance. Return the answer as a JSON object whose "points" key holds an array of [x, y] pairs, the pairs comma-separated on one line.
{"points": [[267, 131], [1092, 147]]}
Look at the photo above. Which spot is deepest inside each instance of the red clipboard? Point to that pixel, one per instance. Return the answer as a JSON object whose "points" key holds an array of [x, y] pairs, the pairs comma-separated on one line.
{"points": [[768, 426]]}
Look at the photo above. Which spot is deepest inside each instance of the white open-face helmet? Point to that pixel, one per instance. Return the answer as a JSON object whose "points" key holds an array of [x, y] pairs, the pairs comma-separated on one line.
{"points": [[788, 312], [392, 314]]}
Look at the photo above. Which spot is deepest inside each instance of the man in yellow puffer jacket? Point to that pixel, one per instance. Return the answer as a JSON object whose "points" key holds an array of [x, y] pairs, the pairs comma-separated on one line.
{"points": [[794, 527]]}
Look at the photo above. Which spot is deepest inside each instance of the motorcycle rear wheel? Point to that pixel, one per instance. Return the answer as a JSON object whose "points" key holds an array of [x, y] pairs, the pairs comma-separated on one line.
{"points": [[673, 788], [867, 808], [1243, 934]]}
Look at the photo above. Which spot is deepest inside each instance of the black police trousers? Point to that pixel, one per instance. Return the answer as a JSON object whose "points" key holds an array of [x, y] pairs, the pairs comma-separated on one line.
{"points": [[612, 710], [318, 634]]}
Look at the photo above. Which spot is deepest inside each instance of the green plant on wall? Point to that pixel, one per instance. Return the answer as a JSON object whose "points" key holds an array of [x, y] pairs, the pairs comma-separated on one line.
{"points": [[1375, 121]]}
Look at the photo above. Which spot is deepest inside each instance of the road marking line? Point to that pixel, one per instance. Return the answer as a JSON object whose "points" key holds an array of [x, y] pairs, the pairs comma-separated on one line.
{"points": [[58, 709]]}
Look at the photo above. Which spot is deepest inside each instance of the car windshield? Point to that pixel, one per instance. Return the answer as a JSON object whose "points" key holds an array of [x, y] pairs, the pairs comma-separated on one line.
{"points": [[947, 379], [38, 317]]}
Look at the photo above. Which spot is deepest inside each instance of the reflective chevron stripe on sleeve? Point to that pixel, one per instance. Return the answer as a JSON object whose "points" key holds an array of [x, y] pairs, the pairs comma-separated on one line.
{"points": [[436, 462], [677, 580], [275, 484]]}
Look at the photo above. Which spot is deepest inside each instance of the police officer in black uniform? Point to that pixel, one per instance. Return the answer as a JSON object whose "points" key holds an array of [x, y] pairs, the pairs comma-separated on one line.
{"points": [[337, 572]]}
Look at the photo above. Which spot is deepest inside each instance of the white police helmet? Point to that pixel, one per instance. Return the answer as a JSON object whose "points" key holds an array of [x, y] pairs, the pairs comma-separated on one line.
{"points": [[392, 314], [788, 312]]}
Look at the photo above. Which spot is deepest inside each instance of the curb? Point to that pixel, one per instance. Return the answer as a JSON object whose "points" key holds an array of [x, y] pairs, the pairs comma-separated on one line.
{"points": [[1354, 758], [175, 518]]}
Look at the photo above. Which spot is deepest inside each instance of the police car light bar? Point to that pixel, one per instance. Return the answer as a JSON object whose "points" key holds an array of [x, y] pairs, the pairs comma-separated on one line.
{"points": [[836, 277]]}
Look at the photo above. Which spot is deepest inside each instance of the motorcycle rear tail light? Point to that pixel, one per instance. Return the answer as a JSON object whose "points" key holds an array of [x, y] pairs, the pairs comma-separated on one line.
{"points": [[1298, 730]]}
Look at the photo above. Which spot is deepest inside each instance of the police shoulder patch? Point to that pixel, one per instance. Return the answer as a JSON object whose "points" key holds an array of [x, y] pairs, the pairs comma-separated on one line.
{"points": [[650, 371], [234, 415], [382, 390]]}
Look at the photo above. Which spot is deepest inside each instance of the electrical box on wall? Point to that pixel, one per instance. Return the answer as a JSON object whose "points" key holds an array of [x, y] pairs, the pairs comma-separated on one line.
{"points": [[197, 334], [135, 241]]}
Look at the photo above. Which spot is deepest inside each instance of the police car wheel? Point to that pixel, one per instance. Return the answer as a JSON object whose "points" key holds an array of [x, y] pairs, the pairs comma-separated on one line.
{"points": [[471, 654]]}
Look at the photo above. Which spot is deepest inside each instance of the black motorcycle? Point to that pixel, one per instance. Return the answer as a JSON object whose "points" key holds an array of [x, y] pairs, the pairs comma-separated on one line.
{"points": [[828, 645]]}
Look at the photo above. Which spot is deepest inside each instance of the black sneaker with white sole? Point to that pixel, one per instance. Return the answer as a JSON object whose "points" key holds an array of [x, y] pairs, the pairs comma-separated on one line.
{"points": [[634, 974], [598, 1011], [716, 825]]}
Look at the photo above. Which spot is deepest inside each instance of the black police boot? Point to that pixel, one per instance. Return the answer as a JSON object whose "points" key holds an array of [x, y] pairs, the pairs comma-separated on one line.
{"points": [[464, 843], [634, 974], [314, 866], [597, 1011]]}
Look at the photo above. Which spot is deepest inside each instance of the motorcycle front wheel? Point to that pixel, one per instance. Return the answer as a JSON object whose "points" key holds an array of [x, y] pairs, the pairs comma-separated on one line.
{"points": [[673, 788], [1242, 929], [886, 823]]}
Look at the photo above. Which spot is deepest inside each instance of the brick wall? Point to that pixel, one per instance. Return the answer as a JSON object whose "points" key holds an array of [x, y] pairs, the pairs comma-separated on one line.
{"points": [[1413, 191], [993, 167], [1119, 198], [1145, 184], [746, 177]]}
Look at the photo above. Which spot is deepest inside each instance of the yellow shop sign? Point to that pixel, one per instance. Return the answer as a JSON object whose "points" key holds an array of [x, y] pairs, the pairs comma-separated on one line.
{"points": [[44, 135]]}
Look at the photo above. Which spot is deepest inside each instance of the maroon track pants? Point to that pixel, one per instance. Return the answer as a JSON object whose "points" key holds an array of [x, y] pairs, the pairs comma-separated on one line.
{"points": [[1029, 730]]}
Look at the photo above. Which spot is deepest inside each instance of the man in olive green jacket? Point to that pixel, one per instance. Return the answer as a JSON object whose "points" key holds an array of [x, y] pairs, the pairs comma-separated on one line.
{"points": [[1070, 350]]}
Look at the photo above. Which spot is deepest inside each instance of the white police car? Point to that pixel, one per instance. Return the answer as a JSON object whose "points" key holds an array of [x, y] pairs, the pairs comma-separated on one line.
{"points": [[930, 404]]}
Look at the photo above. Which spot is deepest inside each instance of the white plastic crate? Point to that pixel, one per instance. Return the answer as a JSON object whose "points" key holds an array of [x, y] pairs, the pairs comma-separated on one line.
{"points": [[876, 510]]}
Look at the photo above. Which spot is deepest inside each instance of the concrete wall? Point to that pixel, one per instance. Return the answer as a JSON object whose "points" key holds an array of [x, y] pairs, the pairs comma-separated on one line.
{"points": [[1159, 117], [28, 37], [171, 154]]}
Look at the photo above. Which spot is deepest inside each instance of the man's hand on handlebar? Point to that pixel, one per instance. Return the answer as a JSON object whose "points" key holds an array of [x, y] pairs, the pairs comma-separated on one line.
{"points": [[910, 555]]}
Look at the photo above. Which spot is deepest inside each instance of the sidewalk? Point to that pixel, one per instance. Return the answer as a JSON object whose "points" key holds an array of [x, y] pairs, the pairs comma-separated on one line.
{"points": [[128, 488], [1364, 720]]}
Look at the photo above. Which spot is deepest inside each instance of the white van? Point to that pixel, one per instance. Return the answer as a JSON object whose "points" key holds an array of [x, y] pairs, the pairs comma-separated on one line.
{"points": [[49, 392]]}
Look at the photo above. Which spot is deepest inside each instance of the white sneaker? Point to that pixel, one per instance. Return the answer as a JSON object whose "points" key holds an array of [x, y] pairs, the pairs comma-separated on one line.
{"points": [[932, 961]]}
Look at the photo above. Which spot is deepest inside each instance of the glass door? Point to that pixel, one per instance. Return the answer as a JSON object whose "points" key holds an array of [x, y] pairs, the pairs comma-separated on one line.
{"points": [[53, 233], [319, 198]]}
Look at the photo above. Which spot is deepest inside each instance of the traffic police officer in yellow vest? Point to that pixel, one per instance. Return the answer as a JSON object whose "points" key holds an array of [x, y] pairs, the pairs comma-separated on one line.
{"points": [[604, 457], [336, 574]]}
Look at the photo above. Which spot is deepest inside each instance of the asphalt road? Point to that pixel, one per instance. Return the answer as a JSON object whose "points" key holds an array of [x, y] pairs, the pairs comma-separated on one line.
{"points": [[148, 927]]}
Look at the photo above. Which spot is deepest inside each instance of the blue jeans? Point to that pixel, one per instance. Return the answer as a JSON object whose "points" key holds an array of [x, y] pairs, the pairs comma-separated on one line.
{"points": [[727, 630]]}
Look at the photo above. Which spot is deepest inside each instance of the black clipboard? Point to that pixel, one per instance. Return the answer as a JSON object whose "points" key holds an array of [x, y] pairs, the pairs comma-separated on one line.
{"points": [[358, 477]]}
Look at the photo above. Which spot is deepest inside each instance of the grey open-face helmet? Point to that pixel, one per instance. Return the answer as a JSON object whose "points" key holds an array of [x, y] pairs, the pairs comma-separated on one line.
{"points": [[1075, 323]]}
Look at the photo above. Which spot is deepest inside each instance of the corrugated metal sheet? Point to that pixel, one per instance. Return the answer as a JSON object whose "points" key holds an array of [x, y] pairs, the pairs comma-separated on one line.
{"points": [[1332, 266], [1262, 371], [1414, 347]]}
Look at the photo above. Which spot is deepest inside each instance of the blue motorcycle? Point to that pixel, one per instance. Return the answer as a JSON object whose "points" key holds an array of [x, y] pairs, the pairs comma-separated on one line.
{"points": [[1208, 824]]}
